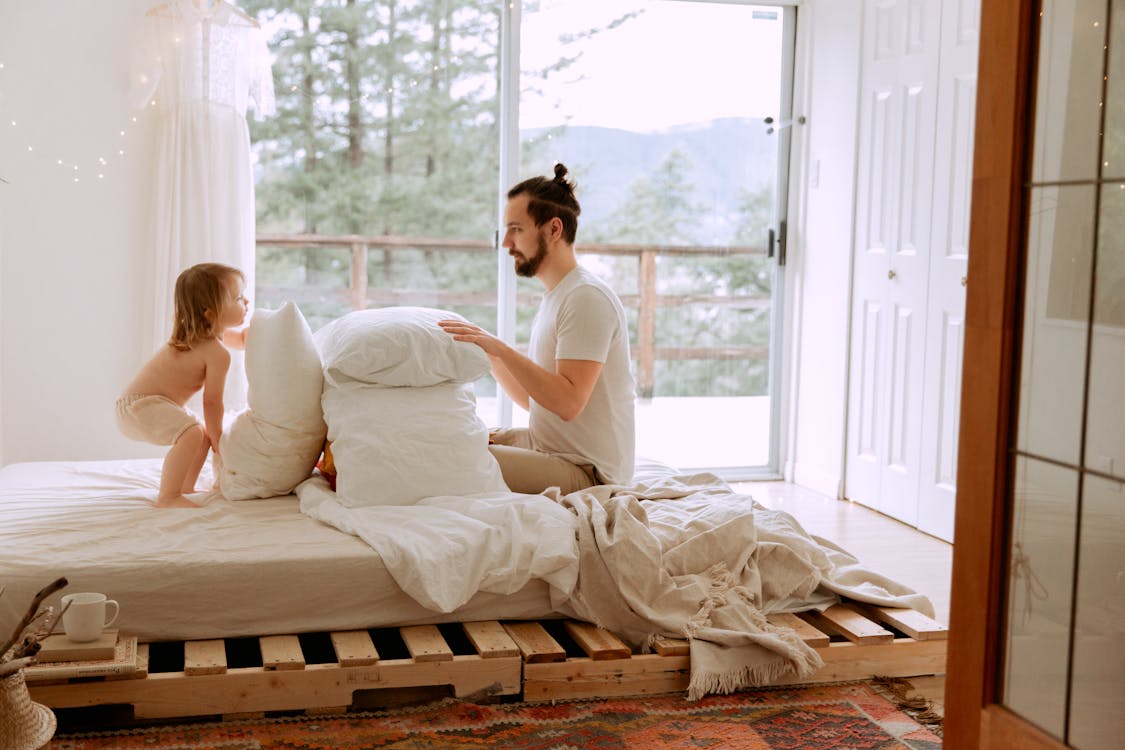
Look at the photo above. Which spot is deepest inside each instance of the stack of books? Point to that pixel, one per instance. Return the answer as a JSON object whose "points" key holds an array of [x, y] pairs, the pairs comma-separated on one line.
{"points": [[112, 655]]}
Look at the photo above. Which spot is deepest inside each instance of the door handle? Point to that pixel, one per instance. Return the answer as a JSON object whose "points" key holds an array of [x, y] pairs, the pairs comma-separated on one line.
{"points": [[769, 246], [891, 274]]}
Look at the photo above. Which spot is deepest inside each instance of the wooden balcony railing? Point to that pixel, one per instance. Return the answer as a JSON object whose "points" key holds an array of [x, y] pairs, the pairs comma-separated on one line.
{"points": [[361, 294]]}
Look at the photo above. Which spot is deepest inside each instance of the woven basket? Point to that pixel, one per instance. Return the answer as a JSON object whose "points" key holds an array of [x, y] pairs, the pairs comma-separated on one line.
{"points": [[24, 724]]}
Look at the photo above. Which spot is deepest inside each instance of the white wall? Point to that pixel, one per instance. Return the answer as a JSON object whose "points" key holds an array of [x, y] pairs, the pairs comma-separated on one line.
{"points": [[73, 254], [821, 245]]}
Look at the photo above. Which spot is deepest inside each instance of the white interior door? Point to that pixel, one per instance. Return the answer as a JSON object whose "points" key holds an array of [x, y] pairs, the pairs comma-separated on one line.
{"points": [[892, 254], [949, 258]]}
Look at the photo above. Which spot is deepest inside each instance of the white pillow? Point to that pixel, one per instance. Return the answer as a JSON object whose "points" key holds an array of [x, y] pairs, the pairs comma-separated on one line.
{"points": [[272, 447], [396, 446], [397, 346]]}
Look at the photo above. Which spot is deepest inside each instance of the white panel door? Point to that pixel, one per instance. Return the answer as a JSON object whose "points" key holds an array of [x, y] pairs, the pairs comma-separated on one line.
{"points": [[892, 254], [949, 257]]}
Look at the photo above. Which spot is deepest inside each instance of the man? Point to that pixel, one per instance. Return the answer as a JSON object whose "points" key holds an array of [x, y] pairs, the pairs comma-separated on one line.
{"points": [[577, 383]]}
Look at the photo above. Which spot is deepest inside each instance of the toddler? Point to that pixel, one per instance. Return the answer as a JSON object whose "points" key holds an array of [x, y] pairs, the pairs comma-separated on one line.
{"points": [[209, 302]]}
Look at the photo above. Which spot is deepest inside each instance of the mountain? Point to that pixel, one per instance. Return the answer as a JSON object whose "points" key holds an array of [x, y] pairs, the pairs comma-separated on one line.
{"points": [[727, 156]]}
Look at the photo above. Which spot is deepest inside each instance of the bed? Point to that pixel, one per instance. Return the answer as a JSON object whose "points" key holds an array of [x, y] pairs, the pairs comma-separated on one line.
{"points": [[264, 569], [672, 582]]}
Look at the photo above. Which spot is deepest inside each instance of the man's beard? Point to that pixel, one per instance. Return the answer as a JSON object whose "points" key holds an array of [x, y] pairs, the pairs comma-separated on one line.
{"points": [[528, 268]]}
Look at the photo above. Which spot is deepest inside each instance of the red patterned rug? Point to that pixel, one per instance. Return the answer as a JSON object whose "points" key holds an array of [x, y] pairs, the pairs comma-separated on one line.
{"points": [[830, 717]]}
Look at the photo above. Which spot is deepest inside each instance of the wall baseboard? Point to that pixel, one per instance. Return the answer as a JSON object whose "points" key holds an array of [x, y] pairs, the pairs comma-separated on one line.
{"points": [[826, 483]]}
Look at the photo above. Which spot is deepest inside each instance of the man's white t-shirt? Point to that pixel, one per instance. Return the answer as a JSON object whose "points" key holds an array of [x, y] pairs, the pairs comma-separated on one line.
{"points": [[582, 318]]}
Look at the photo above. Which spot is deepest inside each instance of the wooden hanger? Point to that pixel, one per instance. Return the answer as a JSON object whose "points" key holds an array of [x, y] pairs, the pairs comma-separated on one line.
{"points": [[163, 10], [242, 14]]}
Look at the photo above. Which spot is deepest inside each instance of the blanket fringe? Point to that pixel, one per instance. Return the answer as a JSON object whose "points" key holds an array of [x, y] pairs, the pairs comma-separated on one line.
{"points": [[721, 581], [707, 682], [918, 707]]}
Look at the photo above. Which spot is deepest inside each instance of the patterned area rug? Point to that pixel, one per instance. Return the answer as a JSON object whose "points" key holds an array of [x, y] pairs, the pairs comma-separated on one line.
{"points": [[830, 717]]}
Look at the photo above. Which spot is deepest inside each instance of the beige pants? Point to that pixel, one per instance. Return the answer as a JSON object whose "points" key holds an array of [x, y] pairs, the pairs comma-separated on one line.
{"points": [[530, 471], [154, 419]]}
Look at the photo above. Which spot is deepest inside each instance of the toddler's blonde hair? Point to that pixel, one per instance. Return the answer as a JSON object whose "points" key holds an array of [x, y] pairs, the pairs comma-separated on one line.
{"points": [[200, 289]]}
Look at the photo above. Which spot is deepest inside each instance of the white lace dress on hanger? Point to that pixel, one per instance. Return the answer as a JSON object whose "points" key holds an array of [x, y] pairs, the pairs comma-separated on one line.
{"points": [[197, 70]]}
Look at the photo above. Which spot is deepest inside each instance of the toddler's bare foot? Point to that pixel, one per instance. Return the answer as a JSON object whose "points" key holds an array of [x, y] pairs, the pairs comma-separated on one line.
{"points": [[178, 501]]}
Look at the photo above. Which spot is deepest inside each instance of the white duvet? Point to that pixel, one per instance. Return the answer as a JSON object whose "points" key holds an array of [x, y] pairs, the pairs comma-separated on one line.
{"points": [[443, 550], [679, 556]]}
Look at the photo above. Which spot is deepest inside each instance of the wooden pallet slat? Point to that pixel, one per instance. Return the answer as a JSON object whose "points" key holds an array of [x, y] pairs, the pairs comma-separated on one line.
{"points": [[903, 657], [244, 691], [425, 643], [806, 632], [535, 643], [644, 674], [598, 643], [142, 661], [490, 639], [845, 620], [205, 657], [354, 648], [909, 621], [281, 652], [671, 646]]}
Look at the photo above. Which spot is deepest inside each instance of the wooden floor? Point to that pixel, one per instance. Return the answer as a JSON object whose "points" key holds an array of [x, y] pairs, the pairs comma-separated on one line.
{"points": [[918, 560]]}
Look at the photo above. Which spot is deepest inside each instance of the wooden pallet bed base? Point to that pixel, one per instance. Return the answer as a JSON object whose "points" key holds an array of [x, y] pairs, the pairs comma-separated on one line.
{"points": [[540, 660], [853, 640]]}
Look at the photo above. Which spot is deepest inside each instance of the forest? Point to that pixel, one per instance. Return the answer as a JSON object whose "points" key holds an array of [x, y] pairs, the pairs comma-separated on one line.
{"points": [[387, 126]]}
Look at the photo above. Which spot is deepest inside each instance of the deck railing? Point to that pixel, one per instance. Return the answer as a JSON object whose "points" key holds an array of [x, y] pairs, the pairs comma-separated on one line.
{"points": [[361, 293]]}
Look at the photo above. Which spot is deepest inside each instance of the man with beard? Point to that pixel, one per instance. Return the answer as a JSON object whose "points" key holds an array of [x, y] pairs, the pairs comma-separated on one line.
{"points": [[577, 383]]}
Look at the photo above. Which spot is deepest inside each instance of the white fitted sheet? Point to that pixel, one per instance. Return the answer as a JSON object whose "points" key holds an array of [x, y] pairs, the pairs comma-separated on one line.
{"points": [[256, 567]]}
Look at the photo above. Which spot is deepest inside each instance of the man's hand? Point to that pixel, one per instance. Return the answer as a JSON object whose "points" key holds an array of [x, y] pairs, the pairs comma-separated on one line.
{"points": [[464, 331]]}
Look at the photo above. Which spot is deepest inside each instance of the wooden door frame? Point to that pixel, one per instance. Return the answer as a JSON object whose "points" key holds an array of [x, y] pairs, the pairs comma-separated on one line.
{"points": [[1006, 76]]}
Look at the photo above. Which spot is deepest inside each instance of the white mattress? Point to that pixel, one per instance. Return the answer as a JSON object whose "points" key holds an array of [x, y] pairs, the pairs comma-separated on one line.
{"points": [[229, 569]]}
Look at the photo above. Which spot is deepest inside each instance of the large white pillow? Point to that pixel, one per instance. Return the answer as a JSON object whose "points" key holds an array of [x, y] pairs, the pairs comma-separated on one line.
{"points": [[272, 447], [398, 346], [396, 446]]}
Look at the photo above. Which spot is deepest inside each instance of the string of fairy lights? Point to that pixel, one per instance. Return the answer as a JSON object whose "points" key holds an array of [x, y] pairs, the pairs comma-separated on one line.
{"points": [[97, 168], [23, 138], [74, 171]]}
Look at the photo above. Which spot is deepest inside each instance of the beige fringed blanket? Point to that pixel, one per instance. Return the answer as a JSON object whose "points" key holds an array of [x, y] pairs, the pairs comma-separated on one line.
{"points": [[685, 557]]}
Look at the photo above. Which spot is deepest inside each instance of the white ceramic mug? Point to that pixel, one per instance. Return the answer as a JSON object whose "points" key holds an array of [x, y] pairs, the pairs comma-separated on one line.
{"points": [[85, 618]]}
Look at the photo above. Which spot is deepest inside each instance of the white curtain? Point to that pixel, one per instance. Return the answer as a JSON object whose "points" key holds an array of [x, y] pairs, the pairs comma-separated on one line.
{"points": [[199, 66]]}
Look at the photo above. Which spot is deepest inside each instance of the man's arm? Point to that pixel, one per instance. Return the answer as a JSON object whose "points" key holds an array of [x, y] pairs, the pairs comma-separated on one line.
{"points": [[508, 382], [565, 392]]}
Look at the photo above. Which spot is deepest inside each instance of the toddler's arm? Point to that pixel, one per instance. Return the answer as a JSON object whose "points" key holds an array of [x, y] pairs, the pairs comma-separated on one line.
{"points": [[217, 361]]}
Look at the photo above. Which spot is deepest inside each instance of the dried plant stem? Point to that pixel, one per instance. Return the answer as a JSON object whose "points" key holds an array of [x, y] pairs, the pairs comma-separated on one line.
{"points": [[15, 665], [32, 612]]}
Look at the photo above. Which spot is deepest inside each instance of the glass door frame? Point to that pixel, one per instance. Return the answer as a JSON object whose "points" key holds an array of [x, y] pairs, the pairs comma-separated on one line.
{"points": [[975, 716], [508, 175]]}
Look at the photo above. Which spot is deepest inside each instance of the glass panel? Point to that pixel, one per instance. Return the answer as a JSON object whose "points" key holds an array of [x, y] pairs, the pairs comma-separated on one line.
{"points": [[386, 127], [1039, 593], [1113, 144], [1097, 702], [1105, 425], [1052, 372], [1068, 110], [664, 133]]}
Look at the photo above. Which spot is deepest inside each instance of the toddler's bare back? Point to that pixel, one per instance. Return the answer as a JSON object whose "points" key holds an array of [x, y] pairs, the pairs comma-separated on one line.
{"points": [[172, 373]]}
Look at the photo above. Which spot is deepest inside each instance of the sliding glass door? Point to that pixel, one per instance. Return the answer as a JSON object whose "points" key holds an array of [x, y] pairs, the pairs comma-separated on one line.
{"points": [[376, 182], [673, 120]]}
